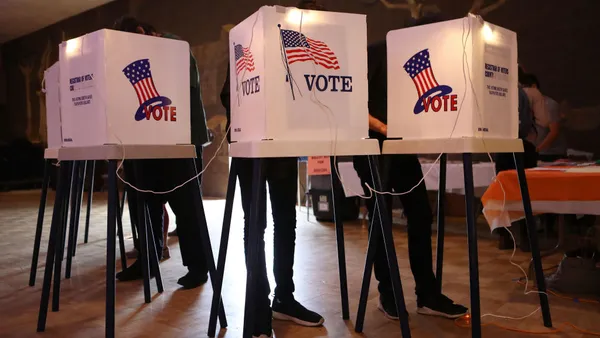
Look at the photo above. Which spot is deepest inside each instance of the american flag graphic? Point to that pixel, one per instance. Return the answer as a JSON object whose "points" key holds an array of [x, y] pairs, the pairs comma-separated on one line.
{"points": [[243, 59], [300, 48], [138, 73], [419, 69]]}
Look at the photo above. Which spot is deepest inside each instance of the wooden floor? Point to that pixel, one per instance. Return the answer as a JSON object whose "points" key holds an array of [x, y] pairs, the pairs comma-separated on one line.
{"points": [[179, 313]]}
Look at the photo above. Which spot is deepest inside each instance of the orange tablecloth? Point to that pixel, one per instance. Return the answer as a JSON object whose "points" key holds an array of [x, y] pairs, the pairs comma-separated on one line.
{"points": [[559, 190]]}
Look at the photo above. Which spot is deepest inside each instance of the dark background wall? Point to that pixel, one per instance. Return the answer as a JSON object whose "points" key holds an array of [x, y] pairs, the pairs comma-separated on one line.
{"points": [[557, 41]]}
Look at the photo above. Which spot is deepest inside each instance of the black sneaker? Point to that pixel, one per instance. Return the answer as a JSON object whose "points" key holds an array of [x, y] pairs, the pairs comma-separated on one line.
{"points": [[293, 311], [387, 305], [133, 272], [441, 306]]}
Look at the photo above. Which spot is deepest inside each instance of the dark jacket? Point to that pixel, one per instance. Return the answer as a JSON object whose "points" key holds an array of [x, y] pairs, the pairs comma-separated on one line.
{"points": [[225, 101], [200, 133]]}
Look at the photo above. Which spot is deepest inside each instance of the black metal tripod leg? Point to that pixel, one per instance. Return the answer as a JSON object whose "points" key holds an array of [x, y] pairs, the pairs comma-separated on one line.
{"points": [[80, 191], [62, 188], [441, 222], [205, 237], [533, 239], [337, 192], [472, 238], [388, 240], [40, 223], [220, 270], [110, 248], [374, 234], [252, 256], [121, 236], [60, 249], [153, 257], [89, 202]]}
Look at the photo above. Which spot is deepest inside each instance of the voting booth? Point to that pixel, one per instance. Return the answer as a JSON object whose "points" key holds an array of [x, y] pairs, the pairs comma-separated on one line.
{"points": [[438, 89], [298, 75], [52, 90], [124, 88]]}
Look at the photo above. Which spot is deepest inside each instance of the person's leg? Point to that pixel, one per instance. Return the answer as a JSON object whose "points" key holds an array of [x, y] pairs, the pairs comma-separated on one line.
{"points": [[282, 177], [262, 306], [132, 204], [408, 174]]}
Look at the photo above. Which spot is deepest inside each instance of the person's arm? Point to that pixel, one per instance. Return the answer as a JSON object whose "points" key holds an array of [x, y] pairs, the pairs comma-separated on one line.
{"points": [[538, 105], [377, 126], [549, 139], [225, 101]]}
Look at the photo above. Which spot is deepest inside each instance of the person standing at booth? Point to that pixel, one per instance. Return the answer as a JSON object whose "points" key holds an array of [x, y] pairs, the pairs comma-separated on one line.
{"points": [[282, 178], [161, 175], [403, 173]]}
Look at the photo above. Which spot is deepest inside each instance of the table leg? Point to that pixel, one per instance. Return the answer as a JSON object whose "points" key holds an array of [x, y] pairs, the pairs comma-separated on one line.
{"points": [[40, 223], [472, 239], [89, 202], [374, 233], [60, 250], [110, 248], [61, 192], [220, 271], [337, 192], [388, 241], [533, 239], [439, 265], [252, 255]]}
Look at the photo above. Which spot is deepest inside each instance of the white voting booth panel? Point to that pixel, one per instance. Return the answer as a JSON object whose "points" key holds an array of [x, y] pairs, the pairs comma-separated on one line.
{"points": [[298, 75], [52, 88], [427, 66], [124, 88]]}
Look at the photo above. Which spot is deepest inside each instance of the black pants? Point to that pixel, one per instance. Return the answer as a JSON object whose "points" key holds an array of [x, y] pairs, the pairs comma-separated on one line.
{"points": [[163, 175], [402, 172], [282, 178]]}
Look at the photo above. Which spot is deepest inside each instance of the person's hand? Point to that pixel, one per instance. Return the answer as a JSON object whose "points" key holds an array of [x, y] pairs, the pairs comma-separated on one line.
{"points": [[383, 130]]}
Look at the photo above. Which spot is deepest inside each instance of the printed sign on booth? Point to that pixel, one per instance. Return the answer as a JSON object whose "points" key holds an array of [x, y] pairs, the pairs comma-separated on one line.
{"points": [[319, 165]]}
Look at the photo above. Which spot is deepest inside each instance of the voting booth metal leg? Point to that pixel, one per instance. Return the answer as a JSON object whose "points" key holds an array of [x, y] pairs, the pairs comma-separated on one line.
{"points": [[441, 223], [205, 237], [472, 239], [62, 188], [218, 283], [337, 192], [153, 253], [110, 248], [366, 281], [60, 250], [120, 234], [40, 223], [254, 232], [89, 201], [390, 249], [122, 205], [75, 208], [533, 239], [80, 191], [142, 220]]}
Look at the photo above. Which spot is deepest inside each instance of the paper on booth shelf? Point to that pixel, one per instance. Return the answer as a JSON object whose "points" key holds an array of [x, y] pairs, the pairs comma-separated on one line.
{"points": [[124, 88], [298, 75], [52, 90], [438, 89]]}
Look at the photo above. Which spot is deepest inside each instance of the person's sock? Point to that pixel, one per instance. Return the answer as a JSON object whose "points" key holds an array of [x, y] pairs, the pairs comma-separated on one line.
{"points": [[193, 279]]}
